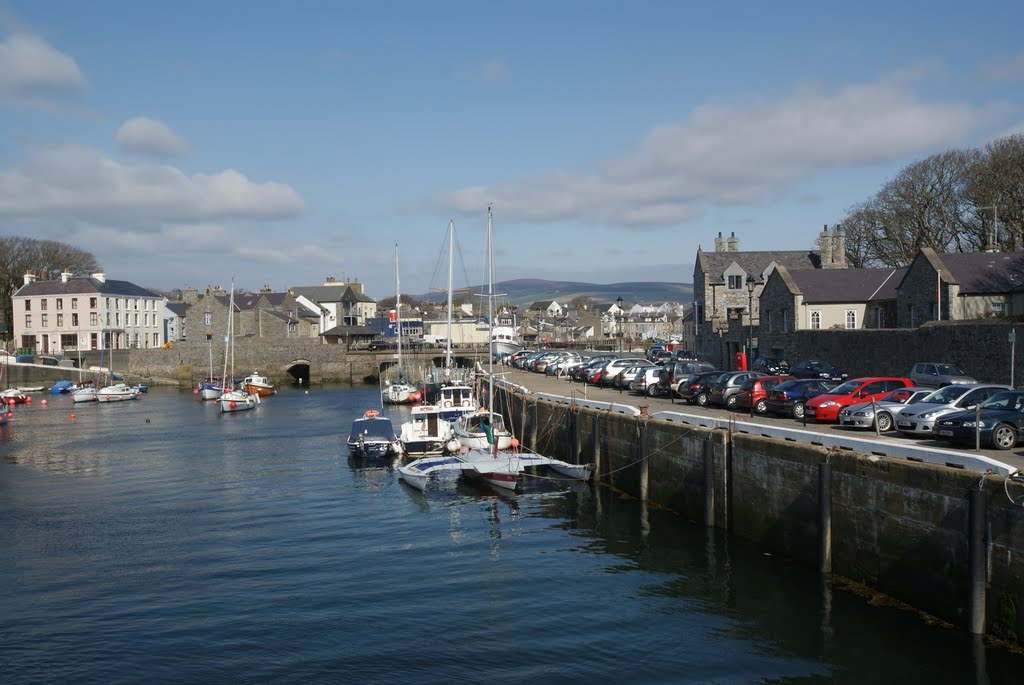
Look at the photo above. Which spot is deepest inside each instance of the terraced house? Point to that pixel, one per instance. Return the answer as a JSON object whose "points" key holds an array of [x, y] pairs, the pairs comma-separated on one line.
{"points": [[85, 313]]}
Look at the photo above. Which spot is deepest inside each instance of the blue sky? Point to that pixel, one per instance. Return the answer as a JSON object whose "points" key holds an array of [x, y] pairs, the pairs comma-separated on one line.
{"points": [[187, 142]]}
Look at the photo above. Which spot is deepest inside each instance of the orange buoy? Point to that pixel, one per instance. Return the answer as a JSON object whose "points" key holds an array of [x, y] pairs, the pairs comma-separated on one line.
{"points": [[72, 417], [10, 401], [29, 399], [43, 401], [233, 405], [195, 391]]}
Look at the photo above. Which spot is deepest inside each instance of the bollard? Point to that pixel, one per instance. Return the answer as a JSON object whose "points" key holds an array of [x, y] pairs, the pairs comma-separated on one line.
{"points": [[709, 483], [825, 516], [976, 561]]}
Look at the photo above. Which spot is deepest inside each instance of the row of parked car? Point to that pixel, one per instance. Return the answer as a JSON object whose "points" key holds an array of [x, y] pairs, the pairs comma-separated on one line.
{"points": [[935, 401]]}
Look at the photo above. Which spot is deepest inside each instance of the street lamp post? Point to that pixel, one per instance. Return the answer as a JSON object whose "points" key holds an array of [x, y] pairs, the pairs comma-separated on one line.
{"points": [[750, 317]]}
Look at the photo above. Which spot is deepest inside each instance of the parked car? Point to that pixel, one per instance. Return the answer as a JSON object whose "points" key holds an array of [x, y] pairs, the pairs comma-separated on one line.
{"points": [[606, 374], [866, 414], [558, 367], [997, 421], [645, 382], [826, 407], [754, 391], [511, 359], [695, 388], [938, 375], [674, 373], [47, 361], [540, 365], [581, 372], [771, 367], [790, 397], [816, 368], [919, 419], [723, 392], [623, 378]]}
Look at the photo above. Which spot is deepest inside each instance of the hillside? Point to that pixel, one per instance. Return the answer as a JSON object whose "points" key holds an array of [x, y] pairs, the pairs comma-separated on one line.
{"points": [[524, 291]]}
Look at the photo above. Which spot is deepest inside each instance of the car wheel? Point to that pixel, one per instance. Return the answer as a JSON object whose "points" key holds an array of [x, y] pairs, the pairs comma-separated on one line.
{"points": [[883, 422], [652, 390], [702, 399], [730, 402], [761, 407], [798, 411], [1004, 437]]}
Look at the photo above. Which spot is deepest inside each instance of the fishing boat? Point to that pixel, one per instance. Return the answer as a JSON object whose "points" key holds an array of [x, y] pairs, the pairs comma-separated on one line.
{"points": [[373, 437], [234, 399], [495, 465], [504, 341], [398, 390], [257, 384], [116, 392], [426, 432]]}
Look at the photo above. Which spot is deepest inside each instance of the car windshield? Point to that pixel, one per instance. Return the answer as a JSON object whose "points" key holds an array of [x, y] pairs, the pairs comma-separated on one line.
{"points": [[788, 385], [847, 388], [821, 366], [947, 395], [1012, 401], [949, 370]]}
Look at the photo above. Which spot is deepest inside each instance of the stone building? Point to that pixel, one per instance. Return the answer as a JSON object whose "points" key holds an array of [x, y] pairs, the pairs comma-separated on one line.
{"points": [[85, 313], [960, 286], [727, 284]]}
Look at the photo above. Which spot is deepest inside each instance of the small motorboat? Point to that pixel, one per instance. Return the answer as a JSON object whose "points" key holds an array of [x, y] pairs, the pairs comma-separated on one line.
{"points": [[373, 437], [14, 396], [255, 384]]}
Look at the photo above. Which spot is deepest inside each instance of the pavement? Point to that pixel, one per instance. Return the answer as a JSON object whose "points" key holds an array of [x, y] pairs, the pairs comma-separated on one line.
{"points": [[536, 382]]}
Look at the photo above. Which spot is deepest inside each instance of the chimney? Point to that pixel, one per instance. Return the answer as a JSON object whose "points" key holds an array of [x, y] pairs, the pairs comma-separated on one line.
{"points": [[29, 277], [100, 276], [839, 247], [64, 276], [734, 242], [719, 243], [825, 239]]}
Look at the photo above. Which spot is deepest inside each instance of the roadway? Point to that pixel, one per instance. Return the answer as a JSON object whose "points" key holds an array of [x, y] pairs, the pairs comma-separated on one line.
{"points": [[535, 382]]}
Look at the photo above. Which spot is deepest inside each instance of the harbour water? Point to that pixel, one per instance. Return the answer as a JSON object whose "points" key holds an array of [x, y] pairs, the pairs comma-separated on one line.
{"points": [[158, 541]]}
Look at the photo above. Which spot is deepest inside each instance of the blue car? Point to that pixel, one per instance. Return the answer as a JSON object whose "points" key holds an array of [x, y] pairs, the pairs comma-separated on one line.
{"points": [[997, 422], [790, 397]]}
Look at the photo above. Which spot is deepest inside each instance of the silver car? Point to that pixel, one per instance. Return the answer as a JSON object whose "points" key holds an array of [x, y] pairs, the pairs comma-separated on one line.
{"points": [[919, 419], [938, 375], [865, 414]]}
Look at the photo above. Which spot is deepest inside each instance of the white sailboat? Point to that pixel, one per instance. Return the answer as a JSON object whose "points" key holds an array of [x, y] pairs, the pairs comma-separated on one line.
{"points": [[119, 391], [234, 399], [398, 390], [499, 467], [212, 387]]}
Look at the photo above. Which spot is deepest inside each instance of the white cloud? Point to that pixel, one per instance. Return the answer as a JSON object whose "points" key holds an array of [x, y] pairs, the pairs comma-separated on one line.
{"points": [[83, 184], [1009, 69], [29, 66], [729, 154], [145, 136]]}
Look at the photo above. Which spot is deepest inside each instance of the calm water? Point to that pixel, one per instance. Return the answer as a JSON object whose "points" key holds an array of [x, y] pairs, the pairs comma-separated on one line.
{"points": [[160, 542]]}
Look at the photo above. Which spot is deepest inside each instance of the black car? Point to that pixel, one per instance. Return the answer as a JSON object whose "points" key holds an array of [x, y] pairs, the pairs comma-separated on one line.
{"points": [[816, 368], [696, 388], [790, 397], [772, 367]]}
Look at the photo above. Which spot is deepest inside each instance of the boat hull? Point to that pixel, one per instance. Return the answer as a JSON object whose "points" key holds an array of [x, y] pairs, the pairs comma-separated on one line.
{"points": [[84, 395], [236, 401], [116, 393]]}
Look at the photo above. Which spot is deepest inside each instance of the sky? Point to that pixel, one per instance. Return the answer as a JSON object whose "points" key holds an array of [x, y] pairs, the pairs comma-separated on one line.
{"points": [[279, 144]]}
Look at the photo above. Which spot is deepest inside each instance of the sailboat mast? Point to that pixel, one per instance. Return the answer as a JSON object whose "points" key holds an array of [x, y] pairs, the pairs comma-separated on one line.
{"points": [[448, 336], [490, 309], [398, 313]]}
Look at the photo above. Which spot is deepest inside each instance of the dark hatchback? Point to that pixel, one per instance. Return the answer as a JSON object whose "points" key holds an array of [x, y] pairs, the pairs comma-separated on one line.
{"points": [[789, 398], [816, 368], [998, 422], [696, 388]]}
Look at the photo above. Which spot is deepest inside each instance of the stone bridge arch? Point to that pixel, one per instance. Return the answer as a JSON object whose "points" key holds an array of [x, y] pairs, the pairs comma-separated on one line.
{"points": [[299, 371]]}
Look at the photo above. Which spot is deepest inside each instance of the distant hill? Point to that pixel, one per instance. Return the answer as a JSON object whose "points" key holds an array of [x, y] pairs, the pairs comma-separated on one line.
{"points": [[525, 291]]}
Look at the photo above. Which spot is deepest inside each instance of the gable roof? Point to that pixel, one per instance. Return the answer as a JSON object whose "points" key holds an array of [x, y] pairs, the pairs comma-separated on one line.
{"points": [[823, 286], [84, 285], [320, 293], [980, 273], [714, 264]]}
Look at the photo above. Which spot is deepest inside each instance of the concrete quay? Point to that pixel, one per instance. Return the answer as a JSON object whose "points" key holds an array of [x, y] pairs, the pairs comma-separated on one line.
{"points": [[946, 541]]}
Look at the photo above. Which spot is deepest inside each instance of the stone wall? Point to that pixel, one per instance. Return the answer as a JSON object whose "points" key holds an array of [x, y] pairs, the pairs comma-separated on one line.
{"points": [[898, 527]]}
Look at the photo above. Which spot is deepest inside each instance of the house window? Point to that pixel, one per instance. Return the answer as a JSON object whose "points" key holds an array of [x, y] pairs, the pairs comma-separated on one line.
{"points": [[208, 319], [913, 316], [74, 320], [93, 301], [28, 321], [998, 308], [815, 319], [768, 314], [28, 305], [785, 321], [44, 321], [42, 305], [74, 303], [851, 318], [60, 321], [735, 282], [60, 303], [93, 321]]}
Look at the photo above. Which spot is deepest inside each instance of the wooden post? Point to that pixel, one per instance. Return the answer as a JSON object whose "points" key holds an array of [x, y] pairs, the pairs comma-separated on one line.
{"points": [[976, 561], [645, 453], [825, 516], [709, 482], [596, 431]]}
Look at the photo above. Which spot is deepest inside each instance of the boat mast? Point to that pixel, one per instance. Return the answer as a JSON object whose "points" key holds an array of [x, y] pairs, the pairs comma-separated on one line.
{"points": [[448, 336], [490, 332], [398, 314]]}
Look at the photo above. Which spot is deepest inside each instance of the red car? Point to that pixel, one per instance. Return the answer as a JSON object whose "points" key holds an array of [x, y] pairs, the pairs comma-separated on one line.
{"points": [[755, 390], [825, 407]]}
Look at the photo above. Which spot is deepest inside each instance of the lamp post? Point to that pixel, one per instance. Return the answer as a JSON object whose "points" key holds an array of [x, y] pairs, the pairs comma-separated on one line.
{"points": [[750, 316], [618, 321]]}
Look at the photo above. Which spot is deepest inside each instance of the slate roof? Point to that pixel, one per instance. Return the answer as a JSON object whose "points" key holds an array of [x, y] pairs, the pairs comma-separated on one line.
{"points": [[824, 286], [714, 264], [980, 273], [321, 293], [350, 330], [84, 286], [179, 308]]}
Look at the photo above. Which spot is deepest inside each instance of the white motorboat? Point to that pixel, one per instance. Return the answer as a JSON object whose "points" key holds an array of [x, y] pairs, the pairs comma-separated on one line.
{"points": [[373, 436], [426, 432], [116, 392], [481, 429], [85, 393], [237, 400]]}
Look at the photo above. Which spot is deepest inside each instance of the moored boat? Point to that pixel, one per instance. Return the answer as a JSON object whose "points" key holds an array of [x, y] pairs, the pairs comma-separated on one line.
{"points": [[116, 392], [14, 396], [373, 437], [257, 384], [426, 432]]}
